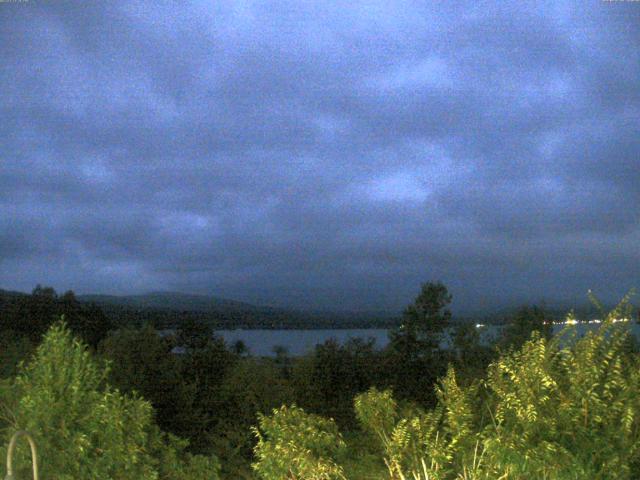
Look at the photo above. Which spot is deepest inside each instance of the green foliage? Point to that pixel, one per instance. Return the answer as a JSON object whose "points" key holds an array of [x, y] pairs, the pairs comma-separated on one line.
{"points": [[88, 322], [13, 350], [142, 363], [423, 321], [471, 356], [414, 358], [252, 386], [377, 412], [417, 443], [544, 411], [459, 420], [175, 464], [526, 321], [82, 427], [31, 315], [295, 445], [362, 460], [202, 373], [193, 335], [568, 412], [78, 426], [550, 408], [326, 381]]}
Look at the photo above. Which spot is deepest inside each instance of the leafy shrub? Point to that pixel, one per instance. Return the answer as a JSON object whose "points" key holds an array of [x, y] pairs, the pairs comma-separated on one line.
{"points": [[544, 411], [295, 445], [83, 428], [418, 443], [570, 412], [175, 464]]}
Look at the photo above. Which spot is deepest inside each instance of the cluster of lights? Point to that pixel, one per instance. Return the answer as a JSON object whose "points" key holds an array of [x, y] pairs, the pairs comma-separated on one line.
{"points": [[615, 320], [572, 321]]}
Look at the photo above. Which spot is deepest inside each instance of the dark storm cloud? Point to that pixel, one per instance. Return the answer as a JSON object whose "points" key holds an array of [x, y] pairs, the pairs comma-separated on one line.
{"points": [[320, 155]]}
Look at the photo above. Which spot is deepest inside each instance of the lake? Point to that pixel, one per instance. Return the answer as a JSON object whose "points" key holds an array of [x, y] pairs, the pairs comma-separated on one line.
{"points": [[299, 342]]}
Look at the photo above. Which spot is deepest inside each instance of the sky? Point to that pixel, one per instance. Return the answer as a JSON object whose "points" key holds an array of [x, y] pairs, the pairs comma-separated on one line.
{"points": [[322, 155]]}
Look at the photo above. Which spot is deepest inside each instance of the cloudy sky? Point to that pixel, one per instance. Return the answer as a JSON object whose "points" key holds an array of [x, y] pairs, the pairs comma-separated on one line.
{"points": [[321, 154]]}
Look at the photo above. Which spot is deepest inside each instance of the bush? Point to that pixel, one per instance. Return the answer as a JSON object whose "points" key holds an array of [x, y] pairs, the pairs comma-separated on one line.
{"points": [[544, 411], [293, 444], [83, 428], [420, 444]]}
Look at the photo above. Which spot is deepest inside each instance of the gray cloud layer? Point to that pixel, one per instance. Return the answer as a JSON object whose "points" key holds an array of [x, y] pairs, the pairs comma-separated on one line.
{"points": [[321, 155]]}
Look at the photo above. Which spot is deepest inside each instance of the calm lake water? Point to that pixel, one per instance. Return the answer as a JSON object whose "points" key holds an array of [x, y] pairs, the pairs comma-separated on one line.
{"points": [[299, 342]]}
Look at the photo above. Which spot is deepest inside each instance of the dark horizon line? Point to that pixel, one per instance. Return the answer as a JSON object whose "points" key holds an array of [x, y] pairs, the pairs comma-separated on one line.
{"points": [[503, 308]]}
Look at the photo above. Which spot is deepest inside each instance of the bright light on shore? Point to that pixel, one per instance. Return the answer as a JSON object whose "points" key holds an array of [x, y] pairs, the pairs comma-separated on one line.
{"points": [[573, 321]]}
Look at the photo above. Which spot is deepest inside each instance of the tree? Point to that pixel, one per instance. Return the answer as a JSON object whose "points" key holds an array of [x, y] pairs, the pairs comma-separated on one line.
{"points": [[36, 313], [472, 356], [203, 371], [526, 321], [415, 360], [44, 292], [239, 348], [31, 316], [282, 360], [424, 321], [83, 428], [251, 386], [142, 363], [86, 321], [193, 334], [418, 444], [466, 340], [326, 381], [13, 351]]}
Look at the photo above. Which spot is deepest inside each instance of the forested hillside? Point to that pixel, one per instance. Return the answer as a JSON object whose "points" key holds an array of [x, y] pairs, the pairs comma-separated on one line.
{"points": [[169, 309]]}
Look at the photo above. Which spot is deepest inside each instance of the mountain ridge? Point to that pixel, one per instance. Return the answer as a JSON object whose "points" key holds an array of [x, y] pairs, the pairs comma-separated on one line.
{"points": [[170, 300]]}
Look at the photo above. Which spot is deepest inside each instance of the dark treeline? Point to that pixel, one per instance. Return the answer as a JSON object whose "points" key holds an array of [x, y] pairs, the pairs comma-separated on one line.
{"points": [[211, 393], [31, 316], [229, 318], [167, 310]]}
